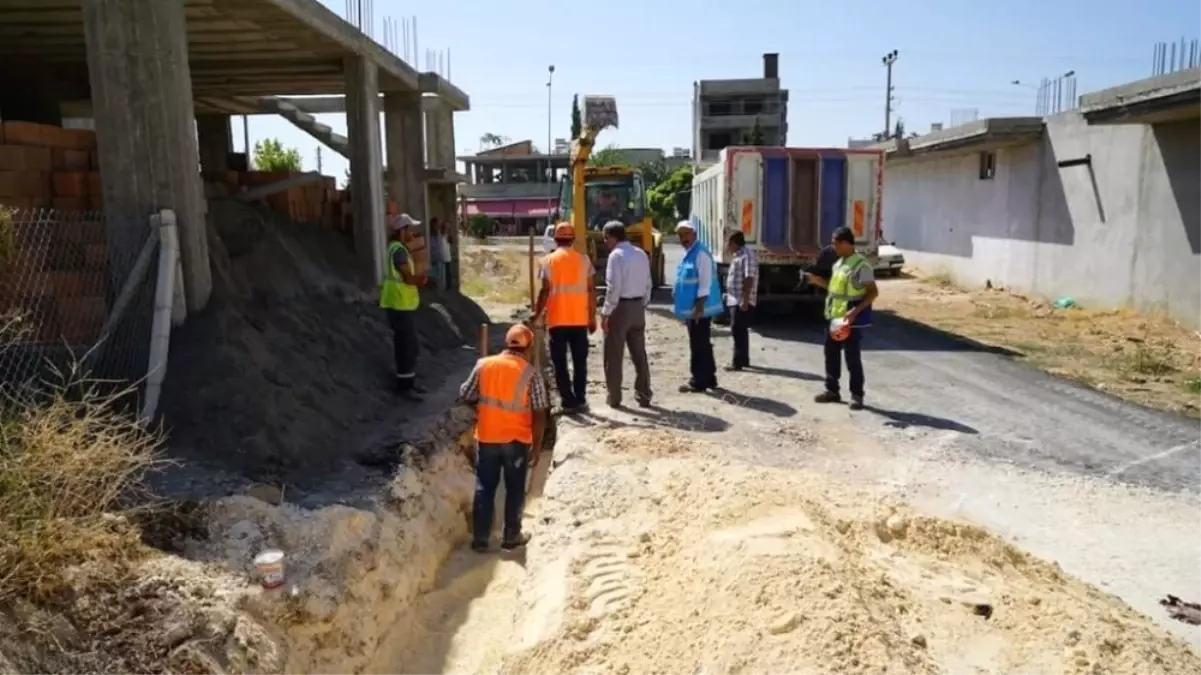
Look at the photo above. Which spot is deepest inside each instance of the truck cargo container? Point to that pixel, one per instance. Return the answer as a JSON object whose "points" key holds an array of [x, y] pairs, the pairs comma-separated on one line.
{"points": [[788, 202]]}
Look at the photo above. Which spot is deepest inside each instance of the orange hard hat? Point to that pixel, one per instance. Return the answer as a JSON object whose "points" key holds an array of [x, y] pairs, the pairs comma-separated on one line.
{"points": [[519, 337], [564, 231], [840, 330]]}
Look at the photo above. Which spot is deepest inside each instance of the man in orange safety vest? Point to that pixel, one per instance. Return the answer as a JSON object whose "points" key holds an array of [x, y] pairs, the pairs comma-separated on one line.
{"points": [[512, 401], [568, 301]]}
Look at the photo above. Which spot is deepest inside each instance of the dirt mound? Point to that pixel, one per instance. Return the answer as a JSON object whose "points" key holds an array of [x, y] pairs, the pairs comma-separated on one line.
{"points": [[291, 359], [699, 565]]}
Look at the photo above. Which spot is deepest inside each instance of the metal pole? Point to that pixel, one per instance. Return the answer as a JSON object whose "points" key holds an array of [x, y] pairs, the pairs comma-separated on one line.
{"points": [[550, 77], [889, 59], [246, 140]]}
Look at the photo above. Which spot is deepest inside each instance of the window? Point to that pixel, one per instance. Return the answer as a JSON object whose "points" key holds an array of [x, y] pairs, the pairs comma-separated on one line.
{"points": [[988, 165], [718, 140], [720, 108], [752, 107]]}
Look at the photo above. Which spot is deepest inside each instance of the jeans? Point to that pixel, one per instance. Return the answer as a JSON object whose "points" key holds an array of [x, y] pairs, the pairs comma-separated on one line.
{"points": [[700, 346], [573, 389], [740, 329], [854, 355], [492, 461], [405, 346]]}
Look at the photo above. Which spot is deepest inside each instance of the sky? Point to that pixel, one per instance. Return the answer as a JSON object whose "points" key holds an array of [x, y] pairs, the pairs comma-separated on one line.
{"points": [[952, 55]]}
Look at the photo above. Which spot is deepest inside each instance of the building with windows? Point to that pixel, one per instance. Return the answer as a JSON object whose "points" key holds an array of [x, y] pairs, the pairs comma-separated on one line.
{"points": [[724, 112], [515, 185]]}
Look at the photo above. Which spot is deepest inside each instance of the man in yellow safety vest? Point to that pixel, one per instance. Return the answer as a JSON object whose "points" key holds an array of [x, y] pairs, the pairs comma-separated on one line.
{"points": [[850, 292], [399, 297]]}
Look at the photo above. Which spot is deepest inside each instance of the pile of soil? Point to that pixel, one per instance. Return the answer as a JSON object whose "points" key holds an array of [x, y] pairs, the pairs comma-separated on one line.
{"points": [[290, 366]]}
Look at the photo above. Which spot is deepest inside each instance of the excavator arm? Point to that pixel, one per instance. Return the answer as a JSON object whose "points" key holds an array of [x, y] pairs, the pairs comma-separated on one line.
{"points": [[599, 113]]}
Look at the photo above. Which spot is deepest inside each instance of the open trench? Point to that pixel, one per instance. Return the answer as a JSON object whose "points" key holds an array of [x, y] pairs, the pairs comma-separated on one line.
{"points": [[654, 551]]}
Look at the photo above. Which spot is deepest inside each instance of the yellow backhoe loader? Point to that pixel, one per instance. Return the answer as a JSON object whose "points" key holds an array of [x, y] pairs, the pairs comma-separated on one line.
{"points": [[591, 196]]}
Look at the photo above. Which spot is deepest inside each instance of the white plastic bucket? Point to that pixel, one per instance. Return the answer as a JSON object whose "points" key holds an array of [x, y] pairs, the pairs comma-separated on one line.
{"points": [[270, 564]]}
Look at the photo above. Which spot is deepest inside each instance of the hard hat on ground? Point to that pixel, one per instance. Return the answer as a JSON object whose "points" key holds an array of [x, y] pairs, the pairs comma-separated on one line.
{"points": [[840, 330], [564, 231], [519, 337]]}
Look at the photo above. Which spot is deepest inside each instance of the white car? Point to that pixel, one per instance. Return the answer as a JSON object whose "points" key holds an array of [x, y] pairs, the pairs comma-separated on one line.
{"points": [[889, 261]]}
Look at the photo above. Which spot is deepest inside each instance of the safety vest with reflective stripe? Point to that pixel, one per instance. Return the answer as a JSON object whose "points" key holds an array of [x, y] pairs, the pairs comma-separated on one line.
{"points": [[394, 293], [842, 294], [567, 304], [505, 414]]}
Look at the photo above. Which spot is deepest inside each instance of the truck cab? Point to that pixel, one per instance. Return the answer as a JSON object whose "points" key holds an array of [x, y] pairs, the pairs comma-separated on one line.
{"points": [[614, 193]]}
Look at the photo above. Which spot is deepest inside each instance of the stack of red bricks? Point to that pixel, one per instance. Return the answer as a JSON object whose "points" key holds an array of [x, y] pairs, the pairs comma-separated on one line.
{"points": [[44, 166], [53, 263], [317, 202]]}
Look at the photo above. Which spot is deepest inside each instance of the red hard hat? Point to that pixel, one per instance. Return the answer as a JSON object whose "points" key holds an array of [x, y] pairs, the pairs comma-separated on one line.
{"points": [[564, 231]]}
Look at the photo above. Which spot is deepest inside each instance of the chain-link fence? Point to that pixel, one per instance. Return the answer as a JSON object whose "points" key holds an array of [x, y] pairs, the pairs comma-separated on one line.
{"points": [[76, 296]]}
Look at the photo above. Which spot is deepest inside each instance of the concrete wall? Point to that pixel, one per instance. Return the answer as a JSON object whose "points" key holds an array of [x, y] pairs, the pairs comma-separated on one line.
{"points": [[1126, 231]]}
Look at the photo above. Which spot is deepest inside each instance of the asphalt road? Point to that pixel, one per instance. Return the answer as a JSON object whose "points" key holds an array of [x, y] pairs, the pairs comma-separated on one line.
{"points": [[1005, 410]]}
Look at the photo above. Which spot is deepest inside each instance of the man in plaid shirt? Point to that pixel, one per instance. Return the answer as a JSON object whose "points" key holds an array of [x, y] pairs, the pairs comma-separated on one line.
{"points": [[742, 291]]}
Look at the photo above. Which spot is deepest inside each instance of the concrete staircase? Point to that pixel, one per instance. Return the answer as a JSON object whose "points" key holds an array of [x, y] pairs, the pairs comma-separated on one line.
{"points": [[305, 122]]}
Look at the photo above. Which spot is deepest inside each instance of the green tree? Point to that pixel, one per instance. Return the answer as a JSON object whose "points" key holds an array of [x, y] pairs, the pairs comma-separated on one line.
{"points": [[577, 125], [755, 135], [610, 155], [670, 200], [491, 140], [654, 173], [271, 155], [480, 226]]}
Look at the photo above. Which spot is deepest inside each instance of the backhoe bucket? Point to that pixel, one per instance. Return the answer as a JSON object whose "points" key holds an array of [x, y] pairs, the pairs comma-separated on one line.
{"points": [[600, 112]]}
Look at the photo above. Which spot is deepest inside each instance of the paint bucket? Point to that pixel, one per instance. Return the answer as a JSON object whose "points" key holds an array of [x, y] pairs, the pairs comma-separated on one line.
{"points": [[270, 564]]}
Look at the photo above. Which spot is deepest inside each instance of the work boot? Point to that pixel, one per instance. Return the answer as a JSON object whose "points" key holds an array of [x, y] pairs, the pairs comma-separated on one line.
{"points": [[479, 546], [644, 403], [828, 397], [409, 392], [690, 388], [856, 403], [516, 542]]}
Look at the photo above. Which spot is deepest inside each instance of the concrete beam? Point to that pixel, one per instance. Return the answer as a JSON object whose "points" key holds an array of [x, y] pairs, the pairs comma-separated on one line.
{"points": [[992, 132], [326, 105], [433, 83], [318, 17], [439, 134], [405, 138], [142, 104], [1166, 98], [366, 164]]}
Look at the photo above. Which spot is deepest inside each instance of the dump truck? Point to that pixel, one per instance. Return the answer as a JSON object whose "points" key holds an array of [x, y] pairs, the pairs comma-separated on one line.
{"points": [[606, 193], [787, 202]]}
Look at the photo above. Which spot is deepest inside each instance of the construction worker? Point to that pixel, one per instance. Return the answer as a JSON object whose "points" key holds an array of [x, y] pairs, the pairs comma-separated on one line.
{"points": [[568, 301], [399, 298], [850, 292], [697, 296], [512, 401]]}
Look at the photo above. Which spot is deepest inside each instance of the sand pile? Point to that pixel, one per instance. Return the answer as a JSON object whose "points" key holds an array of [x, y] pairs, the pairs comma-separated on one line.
{"points": [[292, 362], [688, 563]]}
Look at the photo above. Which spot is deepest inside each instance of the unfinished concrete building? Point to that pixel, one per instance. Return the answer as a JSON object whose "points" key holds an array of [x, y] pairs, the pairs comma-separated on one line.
{"points": [[724, 112]]}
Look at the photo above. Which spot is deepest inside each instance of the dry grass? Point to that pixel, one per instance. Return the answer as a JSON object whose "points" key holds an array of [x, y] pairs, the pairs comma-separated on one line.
{"points": [[68, 468], [496, 276], [1140, 357]]}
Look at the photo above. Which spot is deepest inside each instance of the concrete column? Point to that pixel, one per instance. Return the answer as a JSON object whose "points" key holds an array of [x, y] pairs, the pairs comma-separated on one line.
{"points": [[141, 85], [216, 141], [366, 163], [406, 152], [439, 134]]}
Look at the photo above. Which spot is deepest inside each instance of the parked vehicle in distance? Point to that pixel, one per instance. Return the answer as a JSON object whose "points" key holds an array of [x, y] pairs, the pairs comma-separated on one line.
{"points": [[788, 202], [548, 239], [889, 261]]}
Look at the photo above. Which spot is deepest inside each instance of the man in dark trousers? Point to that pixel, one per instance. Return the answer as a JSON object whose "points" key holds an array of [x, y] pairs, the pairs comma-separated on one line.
{"points": [[399, 298], [742, 290], [850, 292]]}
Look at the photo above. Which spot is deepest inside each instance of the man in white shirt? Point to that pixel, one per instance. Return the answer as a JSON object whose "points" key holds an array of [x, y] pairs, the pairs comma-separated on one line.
{"points": [[623, 316]]}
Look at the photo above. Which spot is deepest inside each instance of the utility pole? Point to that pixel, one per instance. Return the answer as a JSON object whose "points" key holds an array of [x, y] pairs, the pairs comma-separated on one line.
{"points": [[889, 59], [318, 159], [550, 78]]}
